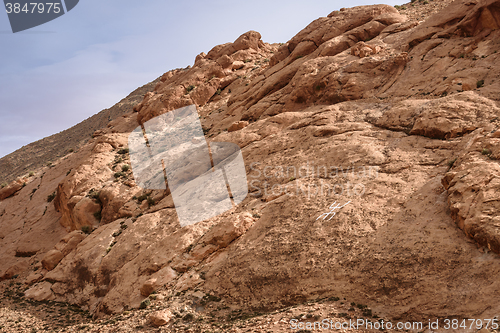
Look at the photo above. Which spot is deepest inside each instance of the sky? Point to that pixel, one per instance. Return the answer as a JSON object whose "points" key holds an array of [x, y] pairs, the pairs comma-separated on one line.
{"points": [[58, 74]]}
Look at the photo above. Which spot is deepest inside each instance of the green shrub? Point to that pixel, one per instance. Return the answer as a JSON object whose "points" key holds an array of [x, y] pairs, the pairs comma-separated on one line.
{"points": [[190, 88], [451, 162], [31, 174], [486, 151], [145, 304], [123, 151], [151, 201], [218, 92], [87, 229], [125, 167], [480, 83], [51, 197], [142, 197], [3, 185], [119, 174], [98, 216]]}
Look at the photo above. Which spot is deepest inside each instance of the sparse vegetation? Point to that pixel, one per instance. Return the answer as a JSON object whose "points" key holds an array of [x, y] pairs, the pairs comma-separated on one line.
{"points": [[125, 167], [31, 174], [51, 197], [87, 229], [98, 216], [3, 185], [145, 303], [142, 197], [123, 151], [486, 152], [479, 83], [151, 201], [119, 174], [190, 88], [218, 92]]}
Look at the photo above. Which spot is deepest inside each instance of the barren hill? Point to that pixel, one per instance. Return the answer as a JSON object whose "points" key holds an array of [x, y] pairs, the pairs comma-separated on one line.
{"points": [[371, 144]]}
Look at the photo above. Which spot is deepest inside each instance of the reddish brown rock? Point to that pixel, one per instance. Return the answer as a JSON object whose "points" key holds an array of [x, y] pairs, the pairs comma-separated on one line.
{"points": [[160, 318], [10, 190], [237, 126], [51, 259]]}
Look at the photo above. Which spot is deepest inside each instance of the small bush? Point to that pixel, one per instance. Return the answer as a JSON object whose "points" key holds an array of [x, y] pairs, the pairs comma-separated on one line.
{"points": [[479, 83], [397, 7], [218, 92], [451, 162], [31, 174], [141, 198], [426, 2], [486, 151], [98, 216], [246, 60], [145, 304], [51, 197], [119, 174], [190, 88], [69, 171], [125, 167], [123, 151], [151, 201], [3, 185], [87, 229]]}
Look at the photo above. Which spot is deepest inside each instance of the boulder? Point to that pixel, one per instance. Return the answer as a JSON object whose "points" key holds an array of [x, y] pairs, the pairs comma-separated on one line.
{"points": [[160, 318]]}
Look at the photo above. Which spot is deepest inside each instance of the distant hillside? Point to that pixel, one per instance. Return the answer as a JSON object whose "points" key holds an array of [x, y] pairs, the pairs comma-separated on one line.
{"points": [[41, 152]]}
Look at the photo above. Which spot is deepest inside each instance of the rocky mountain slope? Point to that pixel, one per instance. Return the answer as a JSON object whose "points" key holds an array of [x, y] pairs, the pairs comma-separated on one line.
{"points": [[394, 121]]}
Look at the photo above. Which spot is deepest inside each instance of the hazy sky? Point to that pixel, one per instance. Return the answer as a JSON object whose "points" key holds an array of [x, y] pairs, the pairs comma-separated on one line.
{"points": [[55, 75]]}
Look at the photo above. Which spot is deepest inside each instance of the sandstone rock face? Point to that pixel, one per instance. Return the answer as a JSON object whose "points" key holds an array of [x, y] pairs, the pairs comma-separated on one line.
{"points": [[220, 67], [371, 147], [10, 189]]}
